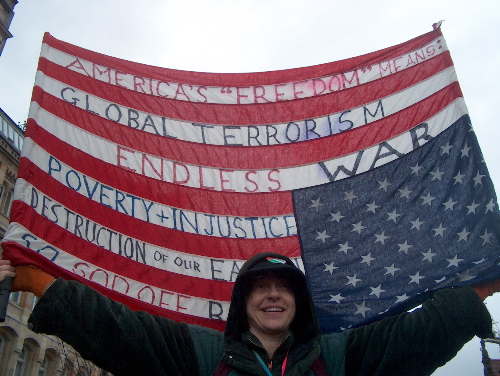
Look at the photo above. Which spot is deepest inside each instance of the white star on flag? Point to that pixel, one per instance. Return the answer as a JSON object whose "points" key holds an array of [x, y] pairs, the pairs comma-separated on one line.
{"points": [[459, 178], [439, 230], [427, 199], [416, 278], [352, 280], [437, 175], [384, 184], [358, 227], [449, 204], [367, 259], [477, 179], [404, 247], [472, 208], [391, 269], [316, 204], [344, 247], [416, 224], [372, 207], [329, 267], [405, 192], [336, 217], [381, 237], [377, 291], [322, 236], [336, 298], [361, 309], [350, 196], [428, 255], [454, 261]]}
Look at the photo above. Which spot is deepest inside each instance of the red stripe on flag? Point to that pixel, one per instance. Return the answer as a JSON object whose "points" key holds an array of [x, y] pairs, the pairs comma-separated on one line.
{"points": [[242, 79], [57, 236], [255, 158], [262, 113], [210, 246], [21, 255], [182, 197]]}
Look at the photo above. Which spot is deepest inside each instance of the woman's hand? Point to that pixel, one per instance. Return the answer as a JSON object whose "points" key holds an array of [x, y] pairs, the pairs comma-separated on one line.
{"points": [[488, 288], [6, 270], [26, 278]]}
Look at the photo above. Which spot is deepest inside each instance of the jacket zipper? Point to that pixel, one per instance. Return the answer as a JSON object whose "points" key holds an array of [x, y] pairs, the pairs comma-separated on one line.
{"points": [[270, 361]]}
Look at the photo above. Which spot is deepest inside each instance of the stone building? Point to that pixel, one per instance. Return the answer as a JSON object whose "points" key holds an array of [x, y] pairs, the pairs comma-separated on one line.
{"points": [[23, 352], [11, 142], [6, 15]]}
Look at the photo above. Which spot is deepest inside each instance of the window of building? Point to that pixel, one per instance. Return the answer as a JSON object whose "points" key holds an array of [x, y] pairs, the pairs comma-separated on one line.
{"points": [[8, 341], [14, 138], [11, 132], [50, 363], [42, 371], [15, 297], [8, 202], [19, 142], [3, 191], [21, 362], [5, 125]]}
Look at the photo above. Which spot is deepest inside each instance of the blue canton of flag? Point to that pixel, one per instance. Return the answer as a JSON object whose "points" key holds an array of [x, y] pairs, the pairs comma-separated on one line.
{"points": [[373, 243]]}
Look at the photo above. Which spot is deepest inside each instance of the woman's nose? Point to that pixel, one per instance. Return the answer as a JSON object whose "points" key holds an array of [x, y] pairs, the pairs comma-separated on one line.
{"points": [[273, 291]]}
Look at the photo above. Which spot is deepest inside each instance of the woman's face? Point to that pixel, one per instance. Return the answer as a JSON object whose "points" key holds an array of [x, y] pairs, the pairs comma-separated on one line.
{"points": [[270, 306]]}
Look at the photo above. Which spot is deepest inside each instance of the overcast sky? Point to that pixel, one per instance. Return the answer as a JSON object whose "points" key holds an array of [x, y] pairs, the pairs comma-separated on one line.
{"points": [[262, 35]]}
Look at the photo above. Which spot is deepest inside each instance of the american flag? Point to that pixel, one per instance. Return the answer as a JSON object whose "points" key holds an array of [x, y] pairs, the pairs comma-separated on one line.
{"points": [[154, 185], [423, 222]]}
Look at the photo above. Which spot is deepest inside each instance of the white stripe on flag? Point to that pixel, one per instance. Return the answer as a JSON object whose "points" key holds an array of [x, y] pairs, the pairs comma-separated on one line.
{"points": [[154, 295], [251, 134], [249, 94], [284, 179]]}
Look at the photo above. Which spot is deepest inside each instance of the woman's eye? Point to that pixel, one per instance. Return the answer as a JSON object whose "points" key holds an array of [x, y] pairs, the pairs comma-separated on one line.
{"points": [[283, 286]]}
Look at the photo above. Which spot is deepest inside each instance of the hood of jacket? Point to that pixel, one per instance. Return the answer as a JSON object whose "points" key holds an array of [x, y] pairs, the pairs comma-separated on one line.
{"points": [[304, 326]]}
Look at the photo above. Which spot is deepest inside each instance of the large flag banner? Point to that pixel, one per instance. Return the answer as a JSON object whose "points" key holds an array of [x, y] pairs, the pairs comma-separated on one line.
{"points": [[154, 185]]}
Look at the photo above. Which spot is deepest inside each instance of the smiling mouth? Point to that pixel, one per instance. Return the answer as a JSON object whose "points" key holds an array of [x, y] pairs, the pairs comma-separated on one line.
{"points": [[273, 309]]}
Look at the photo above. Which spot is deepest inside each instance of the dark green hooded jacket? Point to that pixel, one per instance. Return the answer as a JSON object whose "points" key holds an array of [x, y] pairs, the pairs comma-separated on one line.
{"points": [[137, 343]]}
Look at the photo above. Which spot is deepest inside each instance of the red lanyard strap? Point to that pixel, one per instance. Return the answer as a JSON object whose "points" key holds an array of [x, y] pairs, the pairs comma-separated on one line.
{"points": [[283, 366]]}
